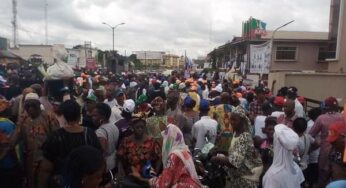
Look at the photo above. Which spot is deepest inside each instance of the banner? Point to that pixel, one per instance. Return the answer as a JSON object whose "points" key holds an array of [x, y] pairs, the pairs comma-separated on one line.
{"points": [[260, 58], [72, 58], [253, 28]]}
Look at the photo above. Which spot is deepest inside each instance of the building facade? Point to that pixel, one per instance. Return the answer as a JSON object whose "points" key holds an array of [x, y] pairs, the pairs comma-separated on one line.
{"points": [[171, 61], [150, 59], [47, 52]]}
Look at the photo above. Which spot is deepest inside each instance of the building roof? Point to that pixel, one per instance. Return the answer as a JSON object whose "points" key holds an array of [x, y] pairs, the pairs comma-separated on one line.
{"points": [[30, 45], [8, 54], [297, 35]]}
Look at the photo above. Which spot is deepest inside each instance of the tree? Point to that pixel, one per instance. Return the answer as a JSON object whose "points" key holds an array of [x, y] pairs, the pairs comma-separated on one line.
{"points": [[137, 62]]}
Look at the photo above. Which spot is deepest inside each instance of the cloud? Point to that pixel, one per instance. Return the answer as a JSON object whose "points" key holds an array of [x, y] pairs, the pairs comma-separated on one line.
{"points": [[196, 26]]}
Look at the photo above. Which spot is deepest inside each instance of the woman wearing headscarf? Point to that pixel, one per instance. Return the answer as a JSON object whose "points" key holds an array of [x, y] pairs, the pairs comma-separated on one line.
{"points": [[284, 172], [179, 170], [245, 164], [158, 121]]}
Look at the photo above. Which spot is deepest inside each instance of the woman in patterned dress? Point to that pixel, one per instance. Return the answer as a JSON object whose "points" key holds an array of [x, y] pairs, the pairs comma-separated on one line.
{"points": [[244, 162]]}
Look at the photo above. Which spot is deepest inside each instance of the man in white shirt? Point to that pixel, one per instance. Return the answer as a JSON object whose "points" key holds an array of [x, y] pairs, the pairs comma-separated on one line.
{"points": [[298, 108], [206, 127], [118, 107], [110, 99]]}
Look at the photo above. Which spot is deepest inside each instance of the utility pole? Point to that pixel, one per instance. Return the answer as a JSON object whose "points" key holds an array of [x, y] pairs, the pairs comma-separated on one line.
{"points": [[14, 23], [46, 21]]}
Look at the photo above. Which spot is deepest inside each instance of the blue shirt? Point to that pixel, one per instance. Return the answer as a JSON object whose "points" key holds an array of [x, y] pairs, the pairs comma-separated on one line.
{"points": [[8, 128]]}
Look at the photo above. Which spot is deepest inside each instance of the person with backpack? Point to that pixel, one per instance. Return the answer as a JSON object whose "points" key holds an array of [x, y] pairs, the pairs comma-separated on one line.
{"points": [[61, 142]]}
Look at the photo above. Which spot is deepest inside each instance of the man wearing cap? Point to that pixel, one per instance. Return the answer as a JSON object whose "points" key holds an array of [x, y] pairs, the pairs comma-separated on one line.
{"points": [[278, 103], [205, 127], [124, 123], [90, 103], [336, 137], [321, 126], [298, 107], [34, 127]]}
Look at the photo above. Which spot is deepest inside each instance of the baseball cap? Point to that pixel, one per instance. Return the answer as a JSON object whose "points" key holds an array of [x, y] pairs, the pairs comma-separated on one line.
{"points": [[330, 101], [203, 105], [119, 92], [279, 101], [129, 106], [31, 96], [335, 130]]}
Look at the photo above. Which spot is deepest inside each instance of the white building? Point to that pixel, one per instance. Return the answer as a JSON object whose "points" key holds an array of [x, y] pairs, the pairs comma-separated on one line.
{"points": [[150, 58]]}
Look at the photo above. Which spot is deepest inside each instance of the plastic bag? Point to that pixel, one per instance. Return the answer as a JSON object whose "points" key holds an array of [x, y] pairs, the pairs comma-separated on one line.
{"points": [[59, 70]]}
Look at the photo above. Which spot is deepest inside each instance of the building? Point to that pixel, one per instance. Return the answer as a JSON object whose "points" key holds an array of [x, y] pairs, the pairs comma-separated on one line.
{"points": [[291, 51], [298, 50], [80, 55], [171, 61], [319, 85], [46, 52], [201, 62], [150, 59], [7, 57]]}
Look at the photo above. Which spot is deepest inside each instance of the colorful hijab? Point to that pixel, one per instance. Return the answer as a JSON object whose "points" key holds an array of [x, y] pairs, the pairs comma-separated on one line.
{"points": [[241, 112], [173, 143]]}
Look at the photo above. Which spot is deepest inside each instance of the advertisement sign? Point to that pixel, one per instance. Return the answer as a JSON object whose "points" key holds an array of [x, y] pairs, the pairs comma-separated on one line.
{"points": [[91, 64], [260, 57]]}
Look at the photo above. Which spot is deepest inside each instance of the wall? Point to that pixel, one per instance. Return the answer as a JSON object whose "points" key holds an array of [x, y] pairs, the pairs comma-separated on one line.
{"points": [[307, 57], [46, 51], [316, 86], [340, 64]]}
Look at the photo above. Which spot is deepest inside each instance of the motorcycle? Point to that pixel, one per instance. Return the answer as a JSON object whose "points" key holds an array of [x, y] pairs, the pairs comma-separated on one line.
{"points": [[209, 173]]}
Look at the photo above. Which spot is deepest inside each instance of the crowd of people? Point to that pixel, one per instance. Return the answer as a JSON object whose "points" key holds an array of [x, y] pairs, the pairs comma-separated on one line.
{"points": [[146, 129]]}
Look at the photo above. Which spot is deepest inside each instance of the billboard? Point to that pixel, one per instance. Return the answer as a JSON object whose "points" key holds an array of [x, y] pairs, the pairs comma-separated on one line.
{"points": [[260, 58]]}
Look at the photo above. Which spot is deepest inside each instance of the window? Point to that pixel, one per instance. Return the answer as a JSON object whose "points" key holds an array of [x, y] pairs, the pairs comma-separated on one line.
{"points": [[286, 53], [325, 53]]}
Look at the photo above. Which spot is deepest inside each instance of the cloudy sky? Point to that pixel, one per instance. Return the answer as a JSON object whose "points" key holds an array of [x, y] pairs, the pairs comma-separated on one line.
{"points": [[174, 26]]}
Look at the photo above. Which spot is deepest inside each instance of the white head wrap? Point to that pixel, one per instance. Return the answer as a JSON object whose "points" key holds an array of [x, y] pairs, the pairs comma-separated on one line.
{"points": [[283, 172]]}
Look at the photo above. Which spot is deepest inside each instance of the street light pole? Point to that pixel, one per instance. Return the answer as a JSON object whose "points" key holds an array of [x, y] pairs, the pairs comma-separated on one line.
{"points": [[272, 39], [113, 28]]}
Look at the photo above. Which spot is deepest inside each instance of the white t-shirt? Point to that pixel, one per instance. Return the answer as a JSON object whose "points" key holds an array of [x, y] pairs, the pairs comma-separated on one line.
{"points": [[205, 93], [303, 147], [259, 125], [298, 108], [313, 157], [116, 114], [201, 128], [111, 103], [111, 133]]}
